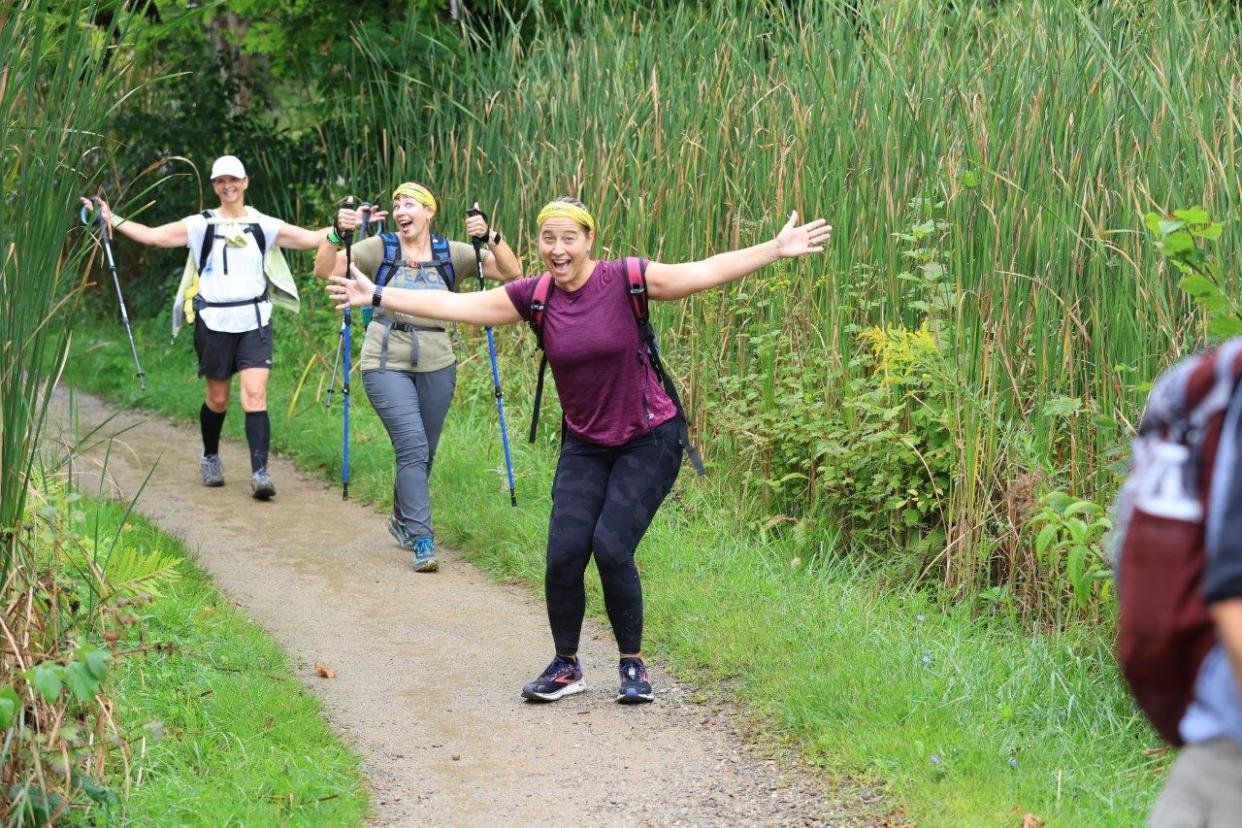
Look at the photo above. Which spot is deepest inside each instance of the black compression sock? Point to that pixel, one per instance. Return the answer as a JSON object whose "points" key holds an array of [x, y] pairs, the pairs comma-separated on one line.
{"points": [[259, 436], [211, 422]]}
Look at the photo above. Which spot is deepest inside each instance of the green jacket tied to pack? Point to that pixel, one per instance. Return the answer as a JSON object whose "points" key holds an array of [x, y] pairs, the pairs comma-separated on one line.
{"points": [[282, 290]]}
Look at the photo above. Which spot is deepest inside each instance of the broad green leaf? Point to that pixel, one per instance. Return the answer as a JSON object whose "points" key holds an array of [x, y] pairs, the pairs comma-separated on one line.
{"points": [[79, 680], [1077, 530], [1075, 571], [1062, 406], [1178, 242], [1044, 538], [1192, 215], [46, 680], [1199, 287], [1081, 507], [1225, 326], [96, 662], [9, 705], [1165, 226], [1211, 232]]}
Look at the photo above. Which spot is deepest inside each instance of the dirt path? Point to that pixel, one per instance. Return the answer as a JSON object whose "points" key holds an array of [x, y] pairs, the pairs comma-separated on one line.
{"points": [[428, 667]]}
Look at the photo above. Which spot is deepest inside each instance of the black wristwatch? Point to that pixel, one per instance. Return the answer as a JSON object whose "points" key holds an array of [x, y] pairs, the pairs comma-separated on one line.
{"points": [[495, 237], [377, 296]]}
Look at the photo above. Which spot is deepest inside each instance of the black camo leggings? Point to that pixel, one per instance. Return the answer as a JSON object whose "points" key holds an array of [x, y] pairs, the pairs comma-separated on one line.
{"points": [[603, 500]]}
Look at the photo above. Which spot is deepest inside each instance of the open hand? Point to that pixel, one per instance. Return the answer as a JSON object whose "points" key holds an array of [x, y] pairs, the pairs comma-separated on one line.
{"points": [[798, 240], [348, 218], [355, 292]]}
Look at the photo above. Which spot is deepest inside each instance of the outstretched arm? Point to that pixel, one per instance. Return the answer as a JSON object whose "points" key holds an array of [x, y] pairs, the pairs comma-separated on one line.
{"points": [[292, 237], [172, 234], [329, 258], [677, 281], [490, 307]]}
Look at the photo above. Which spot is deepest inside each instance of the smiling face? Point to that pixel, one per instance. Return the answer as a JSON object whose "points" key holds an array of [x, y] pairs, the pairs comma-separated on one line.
{"points": [[413, 218], [565, 246], [231, 191]]}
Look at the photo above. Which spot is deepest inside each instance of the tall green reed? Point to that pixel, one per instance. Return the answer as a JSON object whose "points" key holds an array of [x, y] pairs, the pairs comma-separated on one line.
{"points": [[56, 88]]}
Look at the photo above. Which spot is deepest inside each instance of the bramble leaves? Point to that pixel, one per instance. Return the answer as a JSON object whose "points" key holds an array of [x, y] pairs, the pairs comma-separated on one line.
{"points": [[1177, 238]]}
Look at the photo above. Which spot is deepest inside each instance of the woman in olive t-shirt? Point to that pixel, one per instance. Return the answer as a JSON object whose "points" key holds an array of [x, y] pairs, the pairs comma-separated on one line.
{"points": [[408, 367]]}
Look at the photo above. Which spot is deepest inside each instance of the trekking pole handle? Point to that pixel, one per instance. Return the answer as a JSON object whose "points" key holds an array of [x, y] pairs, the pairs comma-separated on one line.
{"points": [[477, 241], [347, 236], [89, 216], [364, 222]]}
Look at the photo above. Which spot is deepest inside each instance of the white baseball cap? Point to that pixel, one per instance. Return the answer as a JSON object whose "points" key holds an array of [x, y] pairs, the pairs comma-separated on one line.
{"points": [[227, 165]]}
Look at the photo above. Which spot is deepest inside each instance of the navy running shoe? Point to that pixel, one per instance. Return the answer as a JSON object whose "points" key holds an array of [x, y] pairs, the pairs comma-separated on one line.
{"points": [[635, 688], [561, 678]]}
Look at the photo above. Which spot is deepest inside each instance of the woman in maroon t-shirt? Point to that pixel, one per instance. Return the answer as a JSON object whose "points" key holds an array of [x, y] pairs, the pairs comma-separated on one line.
{"points": [[622, 443]]}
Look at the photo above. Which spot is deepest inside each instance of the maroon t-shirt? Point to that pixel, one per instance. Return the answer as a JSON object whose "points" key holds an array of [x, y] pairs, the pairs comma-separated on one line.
{"points": [[609, 392]]}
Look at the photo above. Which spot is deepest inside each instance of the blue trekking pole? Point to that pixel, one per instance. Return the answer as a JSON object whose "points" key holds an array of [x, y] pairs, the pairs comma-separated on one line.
{"points": [[491, 352], [346, 347]]}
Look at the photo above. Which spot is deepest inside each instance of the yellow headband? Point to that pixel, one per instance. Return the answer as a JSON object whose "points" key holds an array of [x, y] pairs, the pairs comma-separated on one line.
{"points": [[417, 192], [563, 209]]}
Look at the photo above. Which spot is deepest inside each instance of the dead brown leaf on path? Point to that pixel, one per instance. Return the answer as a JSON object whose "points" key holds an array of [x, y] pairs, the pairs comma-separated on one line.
{"points": [[324, 672]]}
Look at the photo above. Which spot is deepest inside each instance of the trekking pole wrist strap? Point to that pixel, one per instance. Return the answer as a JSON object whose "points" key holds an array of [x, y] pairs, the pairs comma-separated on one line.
{"points": [[115, 221], [334, 238]]}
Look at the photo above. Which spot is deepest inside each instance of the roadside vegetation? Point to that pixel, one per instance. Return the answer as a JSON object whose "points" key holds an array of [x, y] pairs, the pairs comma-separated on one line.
{"points": [[122, 671]]}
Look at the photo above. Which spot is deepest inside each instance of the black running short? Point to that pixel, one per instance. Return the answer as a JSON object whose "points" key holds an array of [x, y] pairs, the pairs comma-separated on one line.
{"points": [[221, 354]]}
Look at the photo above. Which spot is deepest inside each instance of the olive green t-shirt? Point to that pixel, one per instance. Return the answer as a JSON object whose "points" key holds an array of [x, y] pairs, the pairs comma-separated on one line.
{"points": [[435, 349]]}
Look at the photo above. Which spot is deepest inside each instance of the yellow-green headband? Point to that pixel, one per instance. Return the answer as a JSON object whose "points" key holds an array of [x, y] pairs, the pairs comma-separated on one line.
{"points": [[417, 192], [563, 209]]}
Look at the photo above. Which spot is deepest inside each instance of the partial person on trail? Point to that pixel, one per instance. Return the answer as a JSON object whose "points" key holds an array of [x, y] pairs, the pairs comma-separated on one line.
{"points": [[408, 366], [623, 433], [1179, 583], [233, 275]]}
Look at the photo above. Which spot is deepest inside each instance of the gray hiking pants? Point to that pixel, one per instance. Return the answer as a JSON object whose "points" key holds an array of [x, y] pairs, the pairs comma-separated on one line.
{"points": [[412, 407], [1204, 788]]}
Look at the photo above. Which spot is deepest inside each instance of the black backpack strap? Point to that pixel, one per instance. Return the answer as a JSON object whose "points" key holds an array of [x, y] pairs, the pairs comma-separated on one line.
{"points": [[442, 257], [392, 258], [209, 240], [534, 415], [538, 306], [259, 238], [636, 291]]}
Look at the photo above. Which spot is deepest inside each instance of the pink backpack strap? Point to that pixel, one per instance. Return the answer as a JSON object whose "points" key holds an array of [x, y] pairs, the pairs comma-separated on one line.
{"points": [[636, 288], [539, 306]]}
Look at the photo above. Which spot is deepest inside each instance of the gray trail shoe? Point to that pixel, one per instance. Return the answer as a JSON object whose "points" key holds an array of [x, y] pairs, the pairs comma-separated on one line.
{"points": [[424, 555], [397, 529], [261, 485], [212, 469]]}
